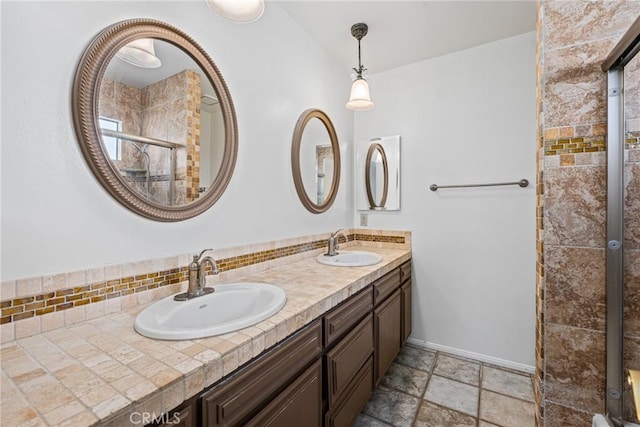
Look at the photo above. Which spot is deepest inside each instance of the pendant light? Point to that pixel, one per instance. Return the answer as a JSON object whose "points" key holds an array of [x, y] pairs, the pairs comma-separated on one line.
{"points": [[239, 11], [140, 53], [360, 98]]}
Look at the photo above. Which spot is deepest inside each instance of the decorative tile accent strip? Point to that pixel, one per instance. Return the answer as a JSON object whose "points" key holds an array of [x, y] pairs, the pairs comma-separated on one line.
{"points": [[37, 305], [632, 140], [386, 239], [48, 302], [591, 144]]}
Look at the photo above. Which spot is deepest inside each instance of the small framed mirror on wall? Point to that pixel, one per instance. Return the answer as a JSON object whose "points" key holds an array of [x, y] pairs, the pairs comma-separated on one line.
{"points": [[315, 160], [378, 174]]}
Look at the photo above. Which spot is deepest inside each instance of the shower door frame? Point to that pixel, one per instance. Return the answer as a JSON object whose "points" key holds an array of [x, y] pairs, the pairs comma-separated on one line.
{"points": [[621, 55]]}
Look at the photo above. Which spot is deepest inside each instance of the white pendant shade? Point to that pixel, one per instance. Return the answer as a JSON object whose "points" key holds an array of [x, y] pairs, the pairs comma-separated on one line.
{"points": [[240, 11], [140, 53], [360, 99]]}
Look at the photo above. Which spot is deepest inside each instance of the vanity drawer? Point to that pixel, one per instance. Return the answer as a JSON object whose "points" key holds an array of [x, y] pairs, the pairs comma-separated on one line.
{"points": [[405, 271], [242, 395], [347, 357], [384, 286], [360, 389], [342, 318]]}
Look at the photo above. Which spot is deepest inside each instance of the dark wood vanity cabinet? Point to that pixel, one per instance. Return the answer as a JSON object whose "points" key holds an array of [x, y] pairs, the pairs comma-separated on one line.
{"points": [[349, 361], [324, 374], [241, 396], [392, 317], [388, 333], [300, 404], [406, 310]]}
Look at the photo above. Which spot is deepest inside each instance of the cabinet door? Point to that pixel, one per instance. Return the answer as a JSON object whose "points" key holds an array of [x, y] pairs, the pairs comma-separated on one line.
{"points": [[387, 330], [347, 357], [356, 396], [406, 311], [300, 404]]}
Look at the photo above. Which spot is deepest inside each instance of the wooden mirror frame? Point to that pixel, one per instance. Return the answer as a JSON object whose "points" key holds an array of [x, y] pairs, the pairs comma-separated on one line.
{"points": [[304, 118], [86, 89], [385, 167]]}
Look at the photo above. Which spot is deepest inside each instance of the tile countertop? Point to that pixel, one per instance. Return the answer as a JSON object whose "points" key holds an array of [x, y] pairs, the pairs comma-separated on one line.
{"points": [[101, 372]]}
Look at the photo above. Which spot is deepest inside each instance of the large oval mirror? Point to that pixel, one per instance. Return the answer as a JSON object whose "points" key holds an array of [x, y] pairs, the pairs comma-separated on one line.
{"points": [[315, 160], [155, 120], [377, 177]]}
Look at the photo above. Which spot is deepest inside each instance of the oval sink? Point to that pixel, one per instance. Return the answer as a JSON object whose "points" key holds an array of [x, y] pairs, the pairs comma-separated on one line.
{"points": [[350, 259], [231, 307]]}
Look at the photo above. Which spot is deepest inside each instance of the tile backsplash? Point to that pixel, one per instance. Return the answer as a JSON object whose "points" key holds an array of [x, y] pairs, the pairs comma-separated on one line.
{"points": [[37, 304]]}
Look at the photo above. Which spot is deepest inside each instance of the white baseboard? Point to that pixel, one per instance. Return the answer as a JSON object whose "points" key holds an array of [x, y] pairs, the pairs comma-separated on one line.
{"points": [[471, 355]]}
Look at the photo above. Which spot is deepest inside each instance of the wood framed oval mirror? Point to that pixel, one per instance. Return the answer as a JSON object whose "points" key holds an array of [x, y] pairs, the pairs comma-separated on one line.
{"points": [[315, 160], [155, 120], [376, 177]]}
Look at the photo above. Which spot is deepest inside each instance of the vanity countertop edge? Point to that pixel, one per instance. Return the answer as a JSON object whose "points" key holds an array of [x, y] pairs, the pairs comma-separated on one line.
{"points": [[102, 372]]}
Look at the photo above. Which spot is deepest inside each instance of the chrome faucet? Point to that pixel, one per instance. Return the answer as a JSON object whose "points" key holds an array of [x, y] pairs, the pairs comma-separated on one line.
{"points": [[333, 243], [197, 277]]}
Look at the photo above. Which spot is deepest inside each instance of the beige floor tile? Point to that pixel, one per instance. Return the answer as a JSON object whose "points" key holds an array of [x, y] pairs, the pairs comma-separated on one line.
{"points": [[417, 358], [453, 394], [506, 411], [508, 383], [408, 380], [461, 370], [367, 421], [431, 415], [392, 407]]}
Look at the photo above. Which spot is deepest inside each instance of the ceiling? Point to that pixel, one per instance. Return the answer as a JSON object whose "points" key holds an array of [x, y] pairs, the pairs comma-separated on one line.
{"points": [[404, 32]]}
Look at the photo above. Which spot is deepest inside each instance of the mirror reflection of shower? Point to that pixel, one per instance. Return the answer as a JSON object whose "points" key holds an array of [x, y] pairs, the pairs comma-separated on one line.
{"points": [[162, 128], [324, 168]]}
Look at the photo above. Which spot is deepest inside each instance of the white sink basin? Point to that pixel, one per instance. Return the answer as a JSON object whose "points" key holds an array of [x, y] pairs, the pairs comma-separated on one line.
{"points": [[231, 307], [350, 259]]}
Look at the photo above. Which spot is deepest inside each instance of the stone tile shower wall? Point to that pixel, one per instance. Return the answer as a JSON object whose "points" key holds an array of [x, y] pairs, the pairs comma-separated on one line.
{"points": [[171, 112], [168, 110], [121, 102], [574, 38]]}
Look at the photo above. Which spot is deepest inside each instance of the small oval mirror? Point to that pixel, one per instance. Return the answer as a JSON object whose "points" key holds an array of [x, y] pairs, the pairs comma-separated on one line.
{"points": [[377, 177], [315, 160], [155, 120]]}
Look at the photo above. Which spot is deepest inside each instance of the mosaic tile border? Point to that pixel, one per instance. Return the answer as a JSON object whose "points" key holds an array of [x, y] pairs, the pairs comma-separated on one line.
{"points": [[40, 304], [591, 144], [632, 140], [583, 139]]}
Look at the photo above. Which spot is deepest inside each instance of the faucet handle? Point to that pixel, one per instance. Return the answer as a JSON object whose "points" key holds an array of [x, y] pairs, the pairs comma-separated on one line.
{"points": [[197, 257]]}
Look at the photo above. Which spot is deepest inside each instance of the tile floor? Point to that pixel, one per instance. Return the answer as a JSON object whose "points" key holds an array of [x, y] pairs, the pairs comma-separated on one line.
{"points": [[433, 389]]}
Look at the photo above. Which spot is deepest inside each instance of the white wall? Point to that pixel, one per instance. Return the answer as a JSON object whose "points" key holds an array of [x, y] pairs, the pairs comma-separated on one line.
{"points": [[467, 117], [55, 215]]}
